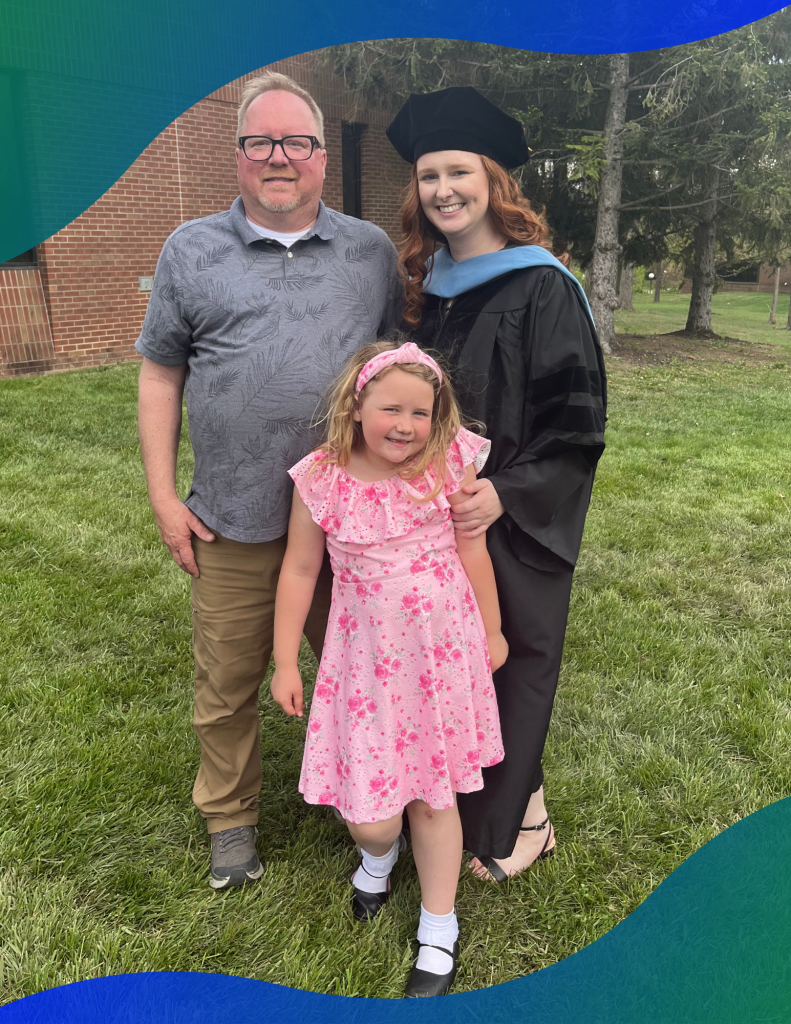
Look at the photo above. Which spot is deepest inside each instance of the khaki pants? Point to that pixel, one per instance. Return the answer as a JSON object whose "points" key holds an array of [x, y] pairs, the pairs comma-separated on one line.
{"points": [[233, 612]]}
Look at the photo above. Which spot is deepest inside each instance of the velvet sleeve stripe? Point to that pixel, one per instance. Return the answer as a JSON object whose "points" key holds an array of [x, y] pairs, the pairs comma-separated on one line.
{"points": [[562, 382], [550, 444], [576, 419]]}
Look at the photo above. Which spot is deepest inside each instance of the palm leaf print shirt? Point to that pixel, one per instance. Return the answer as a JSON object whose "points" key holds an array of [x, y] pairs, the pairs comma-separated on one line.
{"points": [[263, 330]]}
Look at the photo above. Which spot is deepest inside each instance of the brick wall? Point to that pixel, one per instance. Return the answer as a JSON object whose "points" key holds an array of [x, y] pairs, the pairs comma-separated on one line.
{"points": [[84, 307], [333, 183], [384, 175], [91, 269], [25, 337]]}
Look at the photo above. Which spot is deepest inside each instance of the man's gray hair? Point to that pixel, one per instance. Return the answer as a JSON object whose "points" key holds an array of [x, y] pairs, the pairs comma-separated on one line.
{"points": [[271, 82]]}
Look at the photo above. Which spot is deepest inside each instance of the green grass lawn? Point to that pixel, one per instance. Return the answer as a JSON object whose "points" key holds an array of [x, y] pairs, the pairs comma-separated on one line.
{"points": [[672, 719], [740, 315]]}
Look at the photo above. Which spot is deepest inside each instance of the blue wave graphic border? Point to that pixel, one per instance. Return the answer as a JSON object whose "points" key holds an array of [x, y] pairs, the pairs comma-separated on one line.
{"points": [[711, 945], [105, 77]]}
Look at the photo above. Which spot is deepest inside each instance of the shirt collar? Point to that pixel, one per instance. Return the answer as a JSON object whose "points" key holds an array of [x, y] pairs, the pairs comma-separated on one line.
{"points": [[323, 226]]}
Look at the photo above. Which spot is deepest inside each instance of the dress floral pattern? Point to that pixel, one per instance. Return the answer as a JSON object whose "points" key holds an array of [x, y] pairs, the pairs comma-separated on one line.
{"points": [[404, 706]]}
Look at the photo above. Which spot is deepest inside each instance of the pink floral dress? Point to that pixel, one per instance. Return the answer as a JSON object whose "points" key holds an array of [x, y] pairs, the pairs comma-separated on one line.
{"points": [[404, 707]]}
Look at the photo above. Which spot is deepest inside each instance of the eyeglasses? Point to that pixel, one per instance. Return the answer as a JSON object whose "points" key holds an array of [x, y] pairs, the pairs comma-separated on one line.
{"points": [[295, 147]]}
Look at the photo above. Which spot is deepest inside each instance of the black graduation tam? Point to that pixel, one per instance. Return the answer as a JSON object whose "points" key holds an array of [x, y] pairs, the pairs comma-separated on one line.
{"points": [[457, 118]]}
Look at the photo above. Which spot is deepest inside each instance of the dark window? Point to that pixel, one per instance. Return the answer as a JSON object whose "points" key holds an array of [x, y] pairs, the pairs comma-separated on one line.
{"points": [[739, 275], [351, 138], [27, 259]]}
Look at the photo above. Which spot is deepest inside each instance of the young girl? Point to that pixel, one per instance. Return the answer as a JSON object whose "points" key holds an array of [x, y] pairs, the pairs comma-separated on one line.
{"points": [[403, 713]]}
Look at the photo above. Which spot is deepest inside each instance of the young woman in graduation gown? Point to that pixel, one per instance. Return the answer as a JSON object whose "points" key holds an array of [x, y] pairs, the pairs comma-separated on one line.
{"points": [[514, 327]]}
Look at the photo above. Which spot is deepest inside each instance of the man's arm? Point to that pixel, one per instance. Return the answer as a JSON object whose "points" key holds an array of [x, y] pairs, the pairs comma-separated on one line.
{"points": [[159, 416]]}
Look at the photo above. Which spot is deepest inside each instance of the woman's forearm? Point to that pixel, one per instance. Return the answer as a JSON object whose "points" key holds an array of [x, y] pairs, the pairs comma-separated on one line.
{"points": [[478, 566]]}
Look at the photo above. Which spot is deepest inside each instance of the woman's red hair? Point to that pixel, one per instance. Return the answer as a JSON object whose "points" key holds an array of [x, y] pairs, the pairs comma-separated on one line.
{"points": [[510, 212]]}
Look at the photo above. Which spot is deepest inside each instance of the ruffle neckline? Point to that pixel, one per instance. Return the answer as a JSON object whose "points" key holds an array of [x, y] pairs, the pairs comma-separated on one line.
{"points": [[361, 511], [401, 484], [364, 512]]}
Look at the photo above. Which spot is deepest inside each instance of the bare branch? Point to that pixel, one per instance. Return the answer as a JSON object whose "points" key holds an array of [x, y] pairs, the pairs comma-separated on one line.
{"points": [[680, 206], [645, 199]]}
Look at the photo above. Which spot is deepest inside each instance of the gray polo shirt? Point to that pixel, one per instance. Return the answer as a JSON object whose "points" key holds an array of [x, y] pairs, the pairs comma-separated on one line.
{"points": [[263, 329]]}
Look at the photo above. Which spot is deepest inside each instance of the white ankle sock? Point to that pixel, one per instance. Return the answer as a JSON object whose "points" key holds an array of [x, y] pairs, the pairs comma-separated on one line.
{"points": [[436, 930], [372, 874]]}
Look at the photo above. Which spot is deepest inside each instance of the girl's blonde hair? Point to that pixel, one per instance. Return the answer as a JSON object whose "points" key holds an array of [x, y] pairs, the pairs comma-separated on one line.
{"points": [[345, 434]]}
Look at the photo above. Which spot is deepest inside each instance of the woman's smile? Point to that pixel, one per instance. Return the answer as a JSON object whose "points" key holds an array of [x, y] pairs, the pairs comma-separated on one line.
{"points": [[454, 193]]}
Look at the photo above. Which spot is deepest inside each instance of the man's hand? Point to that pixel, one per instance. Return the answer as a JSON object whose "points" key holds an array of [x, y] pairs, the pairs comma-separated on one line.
{"points": [[498, 650], [287, 690], [473, 517], [176, 526]]}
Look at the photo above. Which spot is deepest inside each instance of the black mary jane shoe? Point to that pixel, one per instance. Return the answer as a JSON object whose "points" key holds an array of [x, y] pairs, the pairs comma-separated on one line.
{"points": [[497, 872], [366, 905], [423, 983]]}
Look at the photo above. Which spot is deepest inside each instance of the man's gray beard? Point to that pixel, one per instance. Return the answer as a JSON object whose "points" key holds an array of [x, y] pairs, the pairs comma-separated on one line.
{"points": [[286, 206]]}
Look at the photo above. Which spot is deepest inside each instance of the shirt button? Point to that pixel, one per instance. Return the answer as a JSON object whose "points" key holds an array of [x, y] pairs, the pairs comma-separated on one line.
{"points": [[290, 254]]}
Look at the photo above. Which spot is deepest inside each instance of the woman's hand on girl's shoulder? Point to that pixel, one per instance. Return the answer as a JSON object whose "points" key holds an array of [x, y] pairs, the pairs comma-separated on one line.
{"points": [[498, 649], [287, 690]]}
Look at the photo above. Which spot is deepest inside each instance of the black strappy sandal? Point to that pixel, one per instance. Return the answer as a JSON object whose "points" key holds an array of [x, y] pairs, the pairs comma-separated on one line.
{"points": [[497, 872]]}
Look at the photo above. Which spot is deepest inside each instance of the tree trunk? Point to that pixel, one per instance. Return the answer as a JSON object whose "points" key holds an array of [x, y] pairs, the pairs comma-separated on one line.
{"points": [[625, 291], [773, 313], [606, 247], [704, 276], [657, 281]]}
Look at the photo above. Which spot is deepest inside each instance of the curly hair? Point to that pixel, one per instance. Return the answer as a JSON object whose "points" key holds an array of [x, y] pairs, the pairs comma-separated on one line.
{"points": [[511, 214]]}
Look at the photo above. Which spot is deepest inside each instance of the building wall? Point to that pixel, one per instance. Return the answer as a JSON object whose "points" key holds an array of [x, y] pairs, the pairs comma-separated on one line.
{"points": [[384, 175], [84, 307], [766, 279], [765, 282], [90, 269], [25, 336]]}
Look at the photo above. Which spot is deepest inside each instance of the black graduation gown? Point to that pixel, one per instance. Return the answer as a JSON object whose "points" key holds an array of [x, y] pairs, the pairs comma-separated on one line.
{"points": [[524, 358]]}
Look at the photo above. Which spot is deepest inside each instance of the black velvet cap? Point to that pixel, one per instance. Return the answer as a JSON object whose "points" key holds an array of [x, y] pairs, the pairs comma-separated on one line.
{"points": [[457, 118]]}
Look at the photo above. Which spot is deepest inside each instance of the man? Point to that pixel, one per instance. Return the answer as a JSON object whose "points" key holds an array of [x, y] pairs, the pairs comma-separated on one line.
{"points": [[253, 312]]}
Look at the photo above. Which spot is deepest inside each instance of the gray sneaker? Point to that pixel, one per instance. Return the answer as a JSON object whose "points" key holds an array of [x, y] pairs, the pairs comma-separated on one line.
{"points": [[234, 860]]}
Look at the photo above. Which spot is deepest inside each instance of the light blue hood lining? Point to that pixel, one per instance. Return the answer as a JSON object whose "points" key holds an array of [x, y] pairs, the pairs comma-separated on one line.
{"points": [[447, 279]]}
